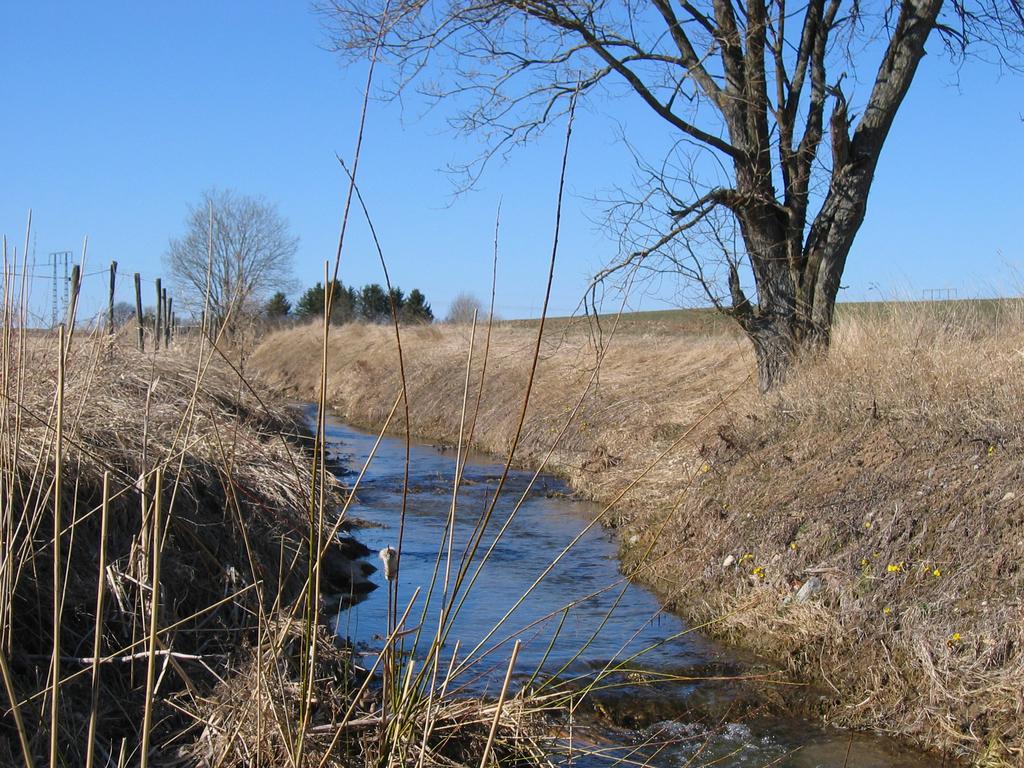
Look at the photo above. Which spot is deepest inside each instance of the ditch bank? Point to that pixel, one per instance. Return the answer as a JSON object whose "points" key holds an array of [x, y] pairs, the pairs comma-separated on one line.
{"points": [[182, 504], [863, 526]]}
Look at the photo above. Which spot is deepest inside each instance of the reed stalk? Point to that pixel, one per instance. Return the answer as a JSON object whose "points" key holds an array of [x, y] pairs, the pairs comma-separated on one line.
{"points": [[154, 618], [97, 643], [19, 721], [58, 477], [501, 703]]}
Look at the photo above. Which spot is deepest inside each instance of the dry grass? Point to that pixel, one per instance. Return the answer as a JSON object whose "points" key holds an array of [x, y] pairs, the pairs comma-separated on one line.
{"points": [[892, 471], [901, 449], [233, 497], [645, 394], [250, 717], [202, 617]]}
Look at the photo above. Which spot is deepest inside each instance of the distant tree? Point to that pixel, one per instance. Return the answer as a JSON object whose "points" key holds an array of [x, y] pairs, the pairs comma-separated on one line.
{"points": [[343, 303], [123, 313], [311, 303], [278, 307], [396, 299], [462, 308], [416, 309], [374, 304], [247, 253]]}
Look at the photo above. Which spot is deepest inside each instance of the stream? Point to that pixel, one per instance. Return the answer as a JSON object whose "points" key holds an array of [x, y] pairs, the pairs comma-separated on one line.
{"points": [[579, 619]]}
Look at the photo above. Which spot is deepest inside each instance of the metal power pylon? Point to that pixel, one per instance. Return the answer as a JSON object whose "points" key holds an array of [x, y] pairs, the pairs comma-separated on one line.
{"points": [[56, 313]]}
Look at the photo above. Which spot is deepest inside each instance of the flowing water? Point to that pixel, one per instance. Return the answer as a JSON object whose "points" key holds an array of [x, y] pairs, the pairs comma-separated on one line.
{"points": [[579, 619]]}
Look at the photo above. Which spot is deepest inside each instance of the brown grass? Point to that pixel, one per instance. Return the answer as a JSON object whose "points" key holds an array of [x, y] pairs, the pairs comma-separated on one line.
{"points": [[646, 393], [901, 448], [186, 594], [234, 494], [892, 470]]}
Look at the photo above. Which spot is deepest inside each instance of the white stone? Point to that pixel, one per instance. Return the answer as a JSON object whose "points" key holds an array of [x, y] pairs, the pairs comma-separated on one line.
{"points": [[809, 588]]}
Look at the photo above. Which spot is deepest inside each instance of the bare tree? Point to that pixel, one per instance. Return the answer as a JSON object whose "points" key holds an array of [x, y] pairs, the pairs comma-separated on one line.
{"points": [[123, 312], [462, 309], [242, 243], [774, 147]]}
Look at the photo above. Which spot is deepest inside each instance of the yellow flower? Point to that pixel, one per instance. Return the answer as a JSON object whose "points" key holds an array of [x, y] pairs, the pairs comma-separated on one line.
{"points": [[868, 525], [864, 562], [955, 637], [937, 573], [887, 610], [746, 557], [894, 567], [705, 468], [991, 450], [758, 571], [792, 545]]}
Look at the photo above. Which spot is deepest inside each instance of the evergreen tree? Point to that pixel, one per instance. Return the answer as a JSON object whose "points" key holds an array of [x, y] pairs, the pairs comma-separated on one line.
{"points": [[416, 309], [311, 303], [396, 299], [278, 307], [374, 304]]}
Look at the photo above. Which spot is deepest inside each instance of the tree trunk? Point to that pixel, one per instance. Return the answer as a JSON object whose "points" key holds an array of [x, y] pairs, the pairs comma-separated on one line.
{"points": [[776, 349], [796, 301], [776, 326]]}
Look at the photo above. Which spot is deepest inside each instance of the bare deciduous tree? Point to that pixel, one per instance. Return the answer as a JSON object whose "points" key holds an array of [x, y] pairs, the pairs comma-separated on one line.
{"points": [[462, 309], [773, 141], [242, 243]]}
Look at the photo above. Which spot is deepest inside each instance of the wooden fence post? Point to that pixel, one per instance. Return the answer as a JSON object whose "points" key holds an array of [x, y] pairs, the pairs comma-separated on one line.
{"points": [[165, 318], [138, 312], [156, 318], [110, 303], [169, 321], [76, 276]]}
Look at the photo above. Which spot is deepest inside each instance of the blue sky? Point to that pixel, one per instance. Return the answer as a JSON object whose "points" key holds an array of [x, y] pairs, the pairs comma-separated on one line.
{"points": [[118, 115]]}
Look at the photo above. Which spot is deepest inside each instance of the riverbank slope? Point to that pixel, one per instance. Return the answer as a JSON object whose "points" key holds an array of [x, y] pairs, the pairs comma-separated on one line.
{"points": [[182, 502], [884, 481]]}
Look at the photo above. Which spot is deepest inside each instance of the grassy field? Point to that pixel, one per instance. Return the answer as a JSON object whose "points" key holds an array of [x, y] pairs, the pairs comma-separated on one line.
{"points": [[885, 480], [706, 321]]}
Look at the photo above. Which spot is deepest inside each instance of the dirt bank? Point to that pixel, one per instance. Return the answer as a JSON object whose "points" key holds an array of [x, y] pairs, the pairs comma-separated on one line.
{"points": [[886, 481]]}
